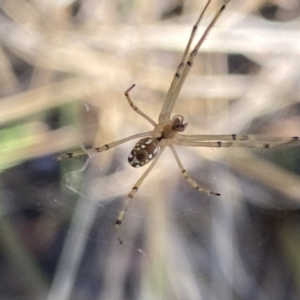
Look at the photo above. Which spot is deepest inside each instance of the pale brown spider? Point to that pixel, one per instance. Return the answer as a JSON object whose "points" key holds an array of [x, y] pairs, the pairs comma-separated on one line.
{"points": [[168, 131]]}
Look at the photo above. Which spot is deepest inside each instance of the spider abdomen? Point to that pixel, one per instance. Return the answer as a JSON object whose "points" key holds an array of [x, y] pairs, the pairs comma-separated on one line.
{"points": [[143, 152]]}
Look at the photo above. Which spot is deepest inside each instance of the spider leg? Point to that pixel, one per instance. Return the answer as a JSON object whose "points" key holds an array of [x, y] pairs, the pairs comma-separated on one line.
{"points": [[102, 148], [189, 179], [236, 137], [189, 64], [178, 72], [135, 108], [258, 144], [134, 191], [184, 67]]}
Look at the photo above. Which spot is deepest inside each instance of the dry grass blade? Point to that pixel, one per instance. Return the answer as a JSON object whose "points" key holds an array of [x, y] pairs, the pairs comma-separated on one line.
{"points": [[64, 68]]}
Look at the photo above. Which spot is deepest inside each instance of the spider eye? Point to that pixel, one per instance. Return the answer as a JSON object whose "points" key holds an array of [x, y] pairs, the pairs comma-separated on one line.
{"points": [[143, 152]]}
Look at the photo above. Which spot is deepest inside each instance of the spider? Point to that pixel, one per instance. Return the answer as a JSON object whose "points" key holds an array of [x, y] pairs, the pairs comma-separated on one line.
{"points": [[168, 131]]}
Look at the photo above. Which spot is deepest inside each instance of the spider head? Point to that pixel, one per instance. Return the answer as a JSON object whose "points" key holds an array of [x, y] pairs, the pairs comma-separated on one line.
{"points": [[177, 123]]}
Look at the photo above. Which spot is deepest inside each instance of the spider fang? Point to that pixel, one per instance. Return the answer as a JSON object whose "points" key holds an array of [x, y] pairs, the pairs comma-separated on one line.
{"points": [[177, 123]]}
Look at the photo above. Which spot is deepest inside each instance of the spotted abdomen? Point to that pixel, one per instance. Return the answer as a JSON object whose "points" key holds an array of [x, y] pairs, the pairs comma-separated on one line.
{"points": [[143, 152]]}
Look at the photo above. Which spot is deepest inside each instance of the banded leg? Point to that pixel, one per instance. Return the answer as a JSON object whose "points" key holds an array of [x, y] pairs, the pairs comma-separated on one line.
{"points": [[189, 63], [133, 192], [178, 72], [237, 137], [102, 148], [135, 108], [246, 144], [189, 179]]}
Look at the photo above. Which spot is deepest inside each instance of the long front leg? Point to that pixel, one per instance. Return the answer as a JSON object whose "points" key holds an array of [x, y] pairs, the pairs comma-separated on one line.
{"points": [[240, 144], [237, 137], [190, 60], [177, 75], [185, 66]]}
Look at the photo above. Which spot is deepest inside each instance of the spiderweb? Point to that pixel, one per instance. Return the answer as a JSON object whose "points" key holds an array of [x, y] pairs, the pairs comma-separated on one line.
{"points": [[178, 244]]}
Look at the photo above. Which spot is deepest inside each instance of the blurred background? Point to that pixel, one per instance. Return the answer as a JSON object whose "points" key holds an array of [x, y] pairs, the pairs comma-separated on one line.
{"points": [[64, 67]]}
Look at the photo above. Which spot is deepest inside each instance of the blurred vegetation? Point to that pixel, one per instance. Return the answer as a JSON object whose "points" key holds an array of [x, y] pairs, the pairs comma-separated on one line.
{"points": [[64, 67]]}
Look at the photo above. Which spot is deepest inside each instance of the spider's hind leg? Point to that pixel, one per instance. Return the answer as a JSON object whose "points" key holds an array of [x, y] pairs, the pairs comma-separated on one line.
{"points": [[133, 192], [189, 179]]}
